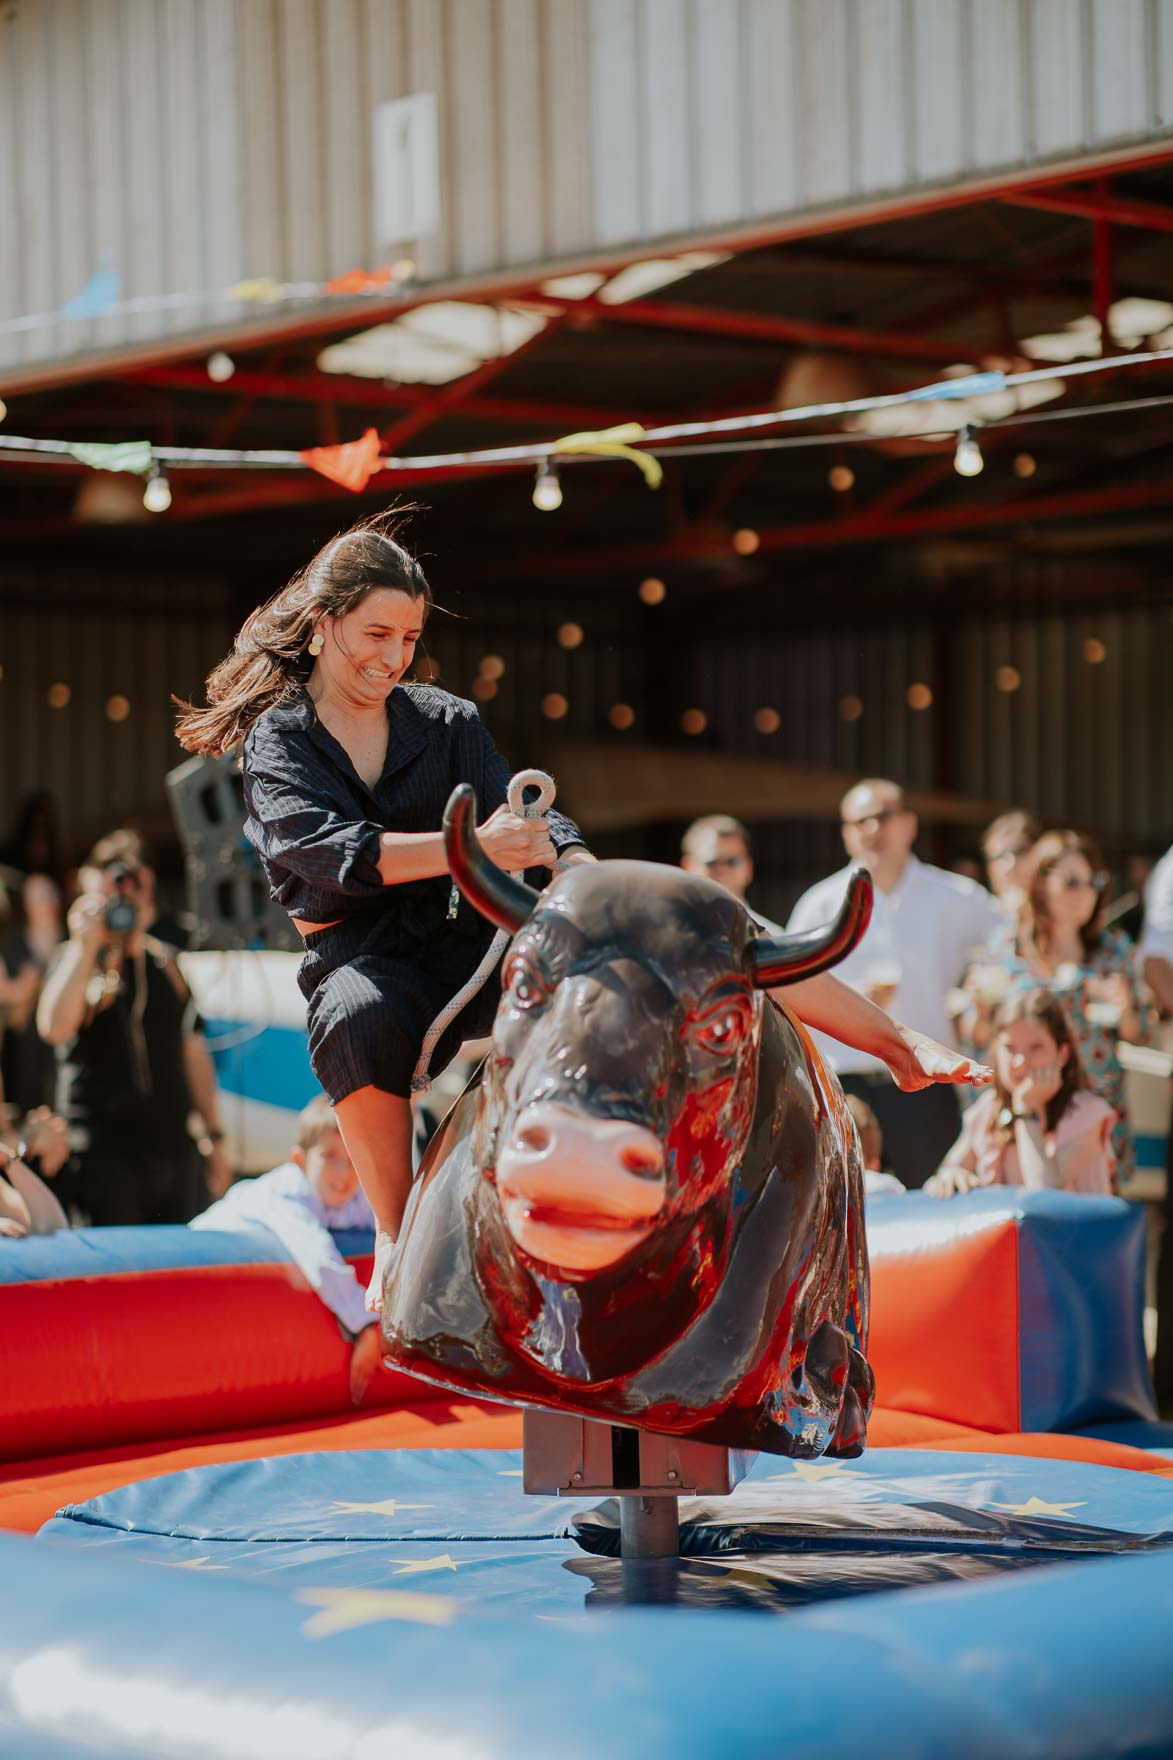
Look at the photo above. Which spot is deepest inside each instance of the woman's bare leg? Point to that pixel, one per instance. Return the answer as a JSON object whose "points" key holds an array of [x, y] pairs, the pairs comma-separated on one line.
{"points": [[377, 1130]]}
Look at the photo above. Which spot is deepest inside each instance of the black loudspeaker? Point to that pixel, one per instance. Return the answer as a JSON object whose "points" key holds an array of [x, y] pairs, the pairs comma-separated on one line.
{"points": [[227, 893]]}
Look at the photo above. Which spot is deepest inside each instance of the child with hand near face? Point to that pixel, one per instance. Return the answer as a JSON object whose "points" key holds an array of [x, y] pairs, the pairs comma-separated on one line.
{"points": [[304, 1202], [1038, 1126]]}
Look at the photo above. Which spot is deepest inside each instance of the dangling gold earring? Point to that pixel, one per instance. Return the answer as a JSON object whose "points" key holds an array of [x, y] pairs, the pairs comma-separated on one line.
{"points": [[317, 643]]}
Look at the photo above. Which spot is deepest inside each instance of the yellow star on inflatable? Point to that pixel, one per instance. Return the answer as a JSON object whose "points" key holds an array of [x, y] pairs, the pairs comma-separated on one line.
{"points": [[1035, 1506], [816, 1470], [342, 1610], [390, 1506], [741, 1574], [418, 1565]]}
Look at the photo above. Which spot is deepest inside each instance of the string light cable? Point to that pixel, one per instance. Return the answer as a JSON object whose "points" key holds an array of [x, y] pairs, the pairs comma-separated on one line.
{"points": [[698, 437]]}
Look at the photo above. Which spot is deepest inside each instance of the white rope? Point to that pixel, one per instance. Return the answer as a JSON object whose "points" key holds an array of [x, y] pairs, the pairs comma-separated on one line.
{"points": [[972, 385], [421, 1079]]}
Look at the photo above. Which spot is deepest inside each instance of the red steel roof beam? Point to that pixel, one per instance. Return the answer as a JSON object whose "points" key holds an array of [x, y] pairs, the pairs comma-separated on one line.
{"points": [[461, 392], [904, 345], [699, 548], [1096, 205], [372, 394], [304, 487], [1102, 271]]}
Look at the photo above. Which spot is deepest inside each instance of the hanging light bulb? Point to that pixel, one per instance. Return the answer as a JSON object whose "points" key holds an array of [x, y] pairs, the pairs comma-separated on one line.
{"points": [[968, 460], [547, 488], [3, 409], [220, 367], [157, 494]]}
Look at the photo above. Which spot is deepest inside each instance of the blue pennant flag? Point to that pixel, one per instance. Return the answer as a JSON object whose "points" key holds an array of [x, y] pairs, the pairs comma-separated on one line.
{"points": [[973, 385], [97, 296]]}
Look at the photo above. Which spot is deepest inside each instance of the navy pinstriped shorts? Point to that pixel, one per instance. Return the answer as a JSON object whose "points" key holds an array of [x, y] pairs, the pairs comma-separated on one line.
{"points": [[370, 1008]]}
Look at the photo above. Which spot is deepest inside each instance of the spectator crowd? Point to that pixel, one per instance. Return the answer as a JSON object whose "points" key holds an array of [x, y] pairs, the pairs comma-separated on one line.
{"points": [[107, 1085], [111, 1112], [1031, 972]]}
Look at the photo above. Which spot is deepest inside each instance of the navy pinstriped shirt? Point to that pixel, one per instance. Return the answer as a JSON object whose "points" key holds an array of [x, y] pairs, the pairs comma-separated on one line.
{"points": [[316, 825]]}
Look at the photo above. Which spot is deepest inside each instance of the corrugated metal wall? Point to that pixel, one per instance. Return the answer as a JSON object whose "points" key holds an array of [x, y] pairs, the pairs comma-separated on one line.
{"points": [[100, 640], [193, 142], [1088, 741], [511, 80], [704, 111], [1083, 741], [119, 147]]}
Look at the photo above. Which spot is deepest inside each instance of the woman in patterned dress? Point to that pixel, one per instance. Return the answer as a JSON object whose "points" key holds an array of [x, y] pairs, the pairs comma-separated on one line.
{"points": [[1061, 943]]}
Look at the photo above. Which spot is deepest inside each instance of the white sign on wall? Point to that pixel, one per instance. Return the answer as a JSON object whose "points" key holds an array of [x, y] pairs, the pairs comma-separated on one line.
{"points": [[407, 169]]}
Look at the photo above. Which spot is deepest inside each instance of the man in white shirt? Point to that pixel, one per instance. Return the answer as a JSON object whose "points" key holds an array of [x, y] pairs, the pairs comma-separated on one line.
{"points": [[926, 926], [718, 846], [304, 1202]]}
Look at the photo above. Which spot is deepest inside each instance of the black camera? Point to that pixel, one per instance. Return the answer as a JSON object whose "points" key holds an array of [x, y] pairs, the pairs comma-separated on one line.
{"points": [[121, 912]]}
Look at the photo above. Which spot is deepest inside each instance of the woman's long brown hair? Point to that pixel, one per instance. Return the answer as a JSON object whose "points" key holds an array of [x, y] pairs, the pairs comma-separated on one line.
{"points": [[1034, 919], [270, 657], [1042, 1006]]}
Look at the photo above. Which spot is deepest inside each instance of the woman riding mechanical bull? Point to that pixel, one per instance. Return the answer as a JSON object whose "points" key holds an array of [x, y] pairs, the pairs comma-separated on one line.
{"points": [[348, 766]]}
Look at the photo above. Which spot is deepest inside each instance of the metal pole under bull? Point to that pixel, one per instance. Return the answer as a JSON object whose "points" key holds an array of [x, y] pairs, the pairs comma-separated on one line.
{"points": [[568, 1456], [649, 1527]]}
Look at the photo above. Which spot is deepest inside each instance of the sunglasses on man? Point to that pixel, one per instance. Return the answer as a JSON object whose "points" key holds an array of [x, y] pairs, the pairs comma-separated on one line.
{"points": [[880, 818], [716, 862]]}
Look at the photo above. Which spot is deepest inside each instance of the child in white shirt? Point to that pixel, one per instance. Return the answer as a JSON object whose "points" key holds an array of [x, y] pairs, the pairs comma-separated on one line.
{"points": [[303, 1202]]}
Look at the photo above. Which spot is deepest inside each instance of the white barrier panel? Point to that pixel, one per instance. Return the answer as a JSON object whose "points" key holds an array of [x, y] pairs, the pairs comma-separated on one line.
{"points": [[255, 1020]]}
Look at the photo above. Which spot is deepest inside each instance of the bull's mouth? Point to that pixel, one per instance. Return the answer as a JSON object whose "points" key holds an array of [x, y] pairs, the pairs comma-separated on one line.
{"points": [[576, 1212], [568, 1239]]}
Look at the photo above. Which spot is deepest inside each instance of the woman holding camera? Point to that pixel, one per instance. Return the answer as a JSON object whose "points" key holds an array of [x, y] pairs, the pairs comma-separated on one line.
{"points": [[132, 1064]]}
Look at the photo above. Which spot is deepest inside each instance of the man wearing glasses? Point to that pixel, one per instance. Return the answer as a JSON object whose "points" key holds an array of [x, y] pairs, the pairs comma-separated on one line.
{"points": [[926, 926], [1006, 844], [719, 847]]}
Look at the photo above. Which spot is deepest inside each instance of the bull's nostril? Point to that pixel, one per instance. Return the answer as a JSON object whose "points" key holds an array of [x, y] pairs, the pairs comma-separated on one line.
{"points": [[535, 1139], [635, 1159]]}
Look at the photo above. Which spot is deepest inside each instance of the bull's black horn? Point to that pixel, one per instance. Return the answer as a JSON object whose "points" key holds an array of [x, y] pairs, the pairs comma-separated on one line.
{"points": [[784, 959], [497, 895]]}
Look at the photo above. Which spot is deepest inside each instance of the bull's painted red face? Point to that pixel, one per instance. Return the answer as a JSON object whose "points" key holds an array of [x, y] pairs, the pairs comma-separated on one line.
{"points": [[643, 1209], [621, 1083]]}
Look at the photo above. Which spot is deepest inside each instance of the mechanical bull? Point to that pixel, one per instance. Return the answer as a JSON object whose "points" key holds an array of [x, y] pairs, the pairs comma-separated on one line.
{"points": [[647, 1209]]}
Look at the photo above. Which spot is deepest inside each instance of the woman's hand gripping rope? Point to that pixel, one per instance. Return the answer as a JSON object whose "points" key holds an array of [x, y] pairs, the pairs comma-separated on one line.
{"points": [[510, 836]]}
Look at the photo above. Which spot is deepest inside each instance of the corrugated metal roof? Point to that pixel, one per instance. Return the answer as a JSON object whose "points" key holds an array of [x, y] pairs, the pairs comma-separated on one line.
{"points": [[201, 142]]}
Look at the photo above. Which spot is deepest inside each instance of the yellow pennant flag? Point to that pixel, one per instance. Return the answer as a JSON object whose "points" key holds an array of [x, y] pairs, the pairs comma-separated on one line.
{"points": [[262, 287], [616, 443]]}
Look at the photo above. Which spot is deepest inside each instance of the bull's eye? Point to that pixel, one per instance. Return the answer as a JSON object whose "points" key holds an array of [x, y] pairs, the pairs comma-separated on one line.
{"points": [[524, 985], [722, 1031]]}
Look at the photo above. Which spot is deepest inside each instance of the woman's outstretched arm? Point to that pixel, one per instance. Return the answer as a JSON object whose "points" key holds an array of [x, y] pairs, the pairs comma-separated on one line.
{"points": [[915, 1060]]}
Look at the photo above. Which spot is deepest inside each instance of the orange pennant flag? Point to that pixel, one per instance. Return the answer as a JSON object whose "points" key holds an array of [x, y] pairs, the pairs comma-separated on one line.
{"points": [[352, 465], [360, 281]]}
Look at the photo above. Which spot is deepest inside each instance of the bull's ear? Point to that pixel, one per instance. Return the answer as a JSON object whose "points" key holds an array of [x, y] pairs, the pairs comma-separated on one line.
{"points": [[785, 959], [497, 895]]}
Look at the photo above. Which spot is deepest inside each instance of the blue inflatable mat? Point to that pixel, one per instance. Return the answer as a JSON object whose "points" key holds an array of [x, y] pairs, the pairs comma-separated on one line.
{"points": [[103, 1654], [396, 1495], [105, 1252], [789, 1536]]}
